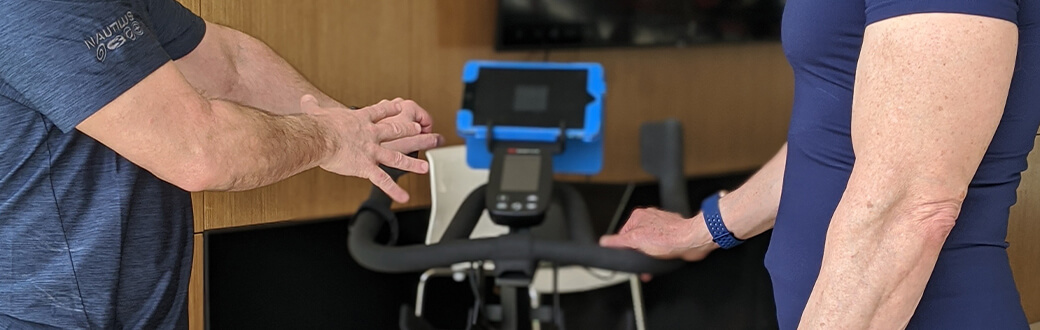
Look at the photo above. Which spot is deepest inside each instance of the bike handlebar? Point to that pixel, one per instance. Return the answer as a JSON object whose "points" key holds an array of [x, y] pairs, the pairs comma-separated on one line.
{"points": [[455, 247]]}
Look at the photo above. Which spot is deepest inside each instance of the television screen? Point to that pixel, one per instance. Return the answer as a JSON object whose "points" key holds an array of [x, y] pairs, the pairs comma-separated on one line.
{"points": [[543, 24]]}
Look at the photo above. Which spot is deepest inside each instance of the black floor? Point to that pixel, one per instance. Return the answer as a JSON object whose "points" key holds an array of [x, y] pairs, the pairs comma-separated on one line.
{"points": [[301, 276]]}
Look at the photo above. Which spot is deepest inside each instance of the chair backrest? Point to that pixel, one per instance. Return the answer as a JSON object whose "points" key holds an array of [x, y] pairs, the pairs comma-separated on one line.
{"points": [[451, 180], [661, 155]]}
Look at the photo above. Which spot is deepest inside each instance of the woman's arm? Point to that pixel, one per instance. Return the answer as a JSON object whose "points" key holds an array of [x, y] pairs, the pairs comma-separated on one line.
{"points": [[930, 91]]}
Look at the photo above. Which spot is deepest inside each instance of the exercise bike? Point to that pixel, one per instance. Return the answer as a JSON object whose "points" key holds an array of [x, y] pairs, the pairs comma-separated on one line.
{"points": [[524, 122]]}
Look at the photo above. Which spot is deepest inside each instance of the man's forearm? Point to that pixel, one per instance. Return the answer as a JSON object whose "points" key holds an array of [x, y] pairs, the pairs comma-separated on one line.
{"points": [[250, 148], [264, 80], [751, 209]]}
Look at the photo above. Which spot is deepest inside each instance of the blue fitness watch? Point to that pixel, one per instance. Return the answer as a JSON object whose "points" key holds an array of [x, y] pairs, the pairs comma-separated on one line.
{"points": [[713, 218]]}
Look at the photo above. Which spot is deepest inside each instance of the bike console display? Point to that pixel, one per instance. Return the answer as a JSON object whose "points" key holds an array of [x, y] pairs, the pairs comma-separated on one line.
{"points": [[526, 121], [520, 186]]}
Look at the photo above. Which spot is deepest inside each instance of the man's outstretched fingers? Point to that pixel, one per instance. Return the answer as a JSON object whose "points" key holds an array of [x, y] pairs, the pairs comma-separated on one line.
{"points": [[381, 111], [387, 185], [400, 161], [415, 143], [419, 115], [387, 131]]}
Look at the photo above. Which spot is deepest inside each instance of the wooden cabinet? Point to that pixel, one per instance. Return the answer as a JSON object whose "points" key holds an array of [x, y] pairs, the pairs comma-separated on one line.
{"points": [[196, 288]]}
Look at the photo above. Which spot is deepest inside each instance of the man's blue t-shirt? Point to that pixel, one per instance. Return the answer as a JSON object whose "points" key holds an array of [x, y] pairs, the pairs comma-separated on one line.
{"points": [[87, 239], [972, 286]]}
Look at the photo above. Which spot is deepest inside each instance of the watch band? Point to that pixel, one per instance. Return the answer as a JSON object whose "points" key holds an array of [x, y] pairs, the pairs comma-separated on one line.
{"points": [[713, 218]]}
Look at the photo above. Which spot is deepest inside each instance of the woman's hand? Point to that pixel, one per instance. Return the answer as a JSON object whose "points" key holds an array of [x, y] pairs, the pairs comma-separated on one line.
{"points": [[663, 235]]}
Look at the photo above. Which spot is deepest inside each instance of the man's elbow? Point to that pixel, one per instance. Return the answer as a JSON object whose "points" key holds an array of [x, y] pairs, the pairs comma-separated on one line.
{"points": [[199, 171]]}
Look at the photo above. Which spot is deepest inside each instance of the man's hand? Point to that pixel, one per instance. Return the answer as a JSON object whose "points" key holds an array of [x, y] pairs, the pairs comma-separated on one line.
{"points": [[358, 137], [411, 112], [663, 235]]}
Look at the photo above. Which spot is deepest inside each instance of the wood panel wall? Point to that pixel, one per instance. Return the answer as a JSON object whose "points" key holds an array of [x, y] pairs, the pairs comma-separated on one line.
{"points": [[734, 99], [356, 51]]}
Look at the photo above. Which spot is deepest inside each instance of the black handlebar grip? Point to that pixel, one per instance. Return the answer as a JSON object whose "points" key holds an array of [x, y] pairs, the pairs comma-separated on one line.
{"points": [[377, 257], [400, 259], [454, 248], [629, 261], [466, 217]]}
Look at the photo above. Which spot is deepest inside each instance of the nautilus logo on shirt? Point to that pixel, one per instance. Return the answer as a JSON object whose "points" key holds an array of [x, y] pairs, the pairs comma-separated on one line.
{"points": [[112, 36]]}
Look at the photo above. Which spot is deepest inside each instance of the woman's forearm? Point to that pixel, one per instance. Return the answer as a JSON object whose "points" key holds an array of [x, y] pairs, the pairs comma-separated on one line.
{"points": [[751, 209]]}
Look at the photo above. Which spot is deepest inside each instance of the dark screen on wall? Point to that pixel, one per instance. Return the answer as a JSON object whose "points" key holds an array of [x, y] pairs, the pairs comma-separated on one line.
{"points": [[540, 24]]}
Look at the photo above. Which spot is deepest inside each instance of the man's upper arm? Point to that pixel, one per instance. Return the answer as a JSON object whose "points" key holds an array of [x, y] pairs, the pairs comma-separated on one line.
{"points": [[930, 91], [201, 50], [210, 67], [177, 28], [99, 67], [68, 59], [159, 124]]}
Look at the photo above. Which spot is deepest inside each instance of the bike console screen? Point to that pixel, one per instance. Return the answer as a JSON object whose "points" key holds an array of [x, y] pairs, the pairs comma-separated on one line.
{"points": [[526, 121], [529, 98], [518, 172], [520, 185]]}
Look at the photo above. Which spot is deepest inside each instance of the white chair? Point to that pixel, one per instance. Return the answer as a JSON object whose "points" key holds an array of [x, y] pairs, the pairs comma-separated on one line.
{"points": [[451, 180]]}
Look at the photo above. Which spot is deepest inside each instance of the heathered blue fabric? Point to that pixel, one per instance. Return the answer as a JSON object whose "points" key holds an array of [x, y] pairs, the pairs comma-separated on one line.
{"points": [[87, 239]]}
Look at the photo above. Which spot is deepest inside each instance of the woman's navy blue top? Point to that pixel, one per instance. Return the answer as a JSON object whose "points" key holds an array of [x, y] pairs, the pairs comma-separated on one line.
{"points": [[971, 286]]}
